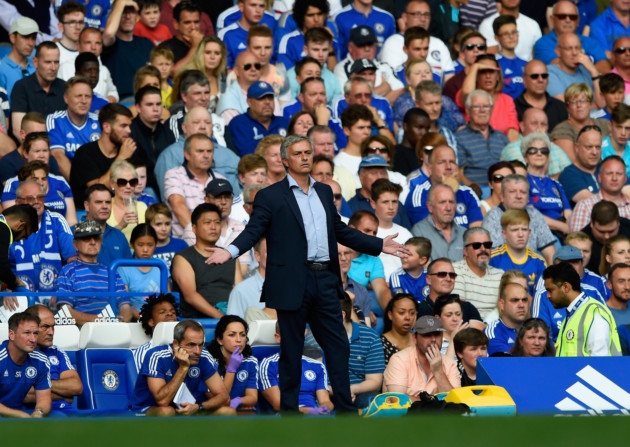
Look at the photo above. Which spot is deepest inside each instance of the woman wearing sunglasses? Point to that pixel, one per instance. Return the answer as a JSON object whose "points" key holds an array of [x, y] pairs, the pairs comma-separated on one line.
{"points": [[126, 211], [496, 173], [578, 99], [379, 145], [545, 194], [485, 74]]}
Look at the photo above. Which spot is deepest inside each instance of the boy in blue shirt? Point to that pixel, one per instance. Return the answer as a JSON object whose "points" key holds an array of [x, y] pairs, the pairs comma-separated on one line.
{"points": [[515, 254], [512, 67], [412, 276]]}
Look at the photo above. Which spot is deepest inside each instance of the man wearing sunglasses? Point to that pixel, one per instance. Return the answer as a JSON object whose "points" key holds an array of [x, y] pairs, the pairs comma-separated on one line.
{"points": [[620, 58], [477, 281], [471, 46], [536, 80], [565, 19]]}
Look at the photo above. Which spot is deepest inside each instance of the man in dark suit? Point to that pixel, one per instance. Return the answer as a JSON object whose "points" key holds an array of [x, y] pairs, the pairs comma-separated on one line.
{"points": [[302, 282]]}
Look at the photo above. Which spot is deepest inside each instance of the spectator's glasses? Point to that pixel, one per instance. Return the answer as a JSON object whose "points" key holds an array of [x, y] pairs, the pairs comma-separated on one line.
{"points": [[122, 182], [497, 178], [477, 245], [337, 196], [571, 17], [587, 128], [538, 75], [417, 14], [535, 150], [33, 199], [622, 50], [443, 275], [471, 46], [375, 149], [255, 65], [578, 102]]}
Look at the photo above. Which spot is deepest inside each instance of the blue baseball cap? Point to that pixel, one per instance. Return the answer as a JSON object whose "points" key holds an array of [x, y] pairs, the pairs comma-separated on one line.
{"points": [[568, 253], [373, 161], [259, 90]]}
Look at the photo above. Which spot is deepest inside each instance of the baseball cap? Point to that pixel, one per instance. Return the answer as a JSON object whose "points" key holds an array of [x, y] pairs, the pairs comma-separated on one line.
{"points": [[373, 161], [361, 64], [362, 35], [427, 324], [24, 26], [259, 90], [219, 186], [568, 253], [87, 229]]}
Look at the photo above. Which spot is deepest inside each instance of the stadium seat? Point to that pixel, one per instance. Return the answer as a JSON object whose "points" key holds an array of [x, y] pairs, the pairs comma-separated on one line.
{"points": [[261, 332], [138, 336], [105, 335], [209, 325], [163, 333], [108, 376], [4, 332], [66, 337]]}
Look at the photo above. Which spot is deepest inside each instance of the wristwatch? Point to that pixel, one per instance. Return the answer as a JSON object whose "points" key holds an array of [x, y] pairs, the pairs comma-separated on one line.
{"points": [[201, 407], [39, 410]]}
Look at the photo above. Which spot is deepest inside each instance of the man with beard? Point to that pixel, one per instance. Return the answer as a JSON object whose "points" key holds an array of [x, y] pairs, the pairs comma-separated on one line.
{"points": [[477, 281], [619, 284], [92, 160]]}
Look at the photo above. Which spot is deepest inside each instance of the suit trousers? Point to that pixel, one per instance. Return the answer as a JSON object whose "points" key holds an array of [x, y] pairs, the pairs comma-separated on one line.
{"points": [[321, 310]]}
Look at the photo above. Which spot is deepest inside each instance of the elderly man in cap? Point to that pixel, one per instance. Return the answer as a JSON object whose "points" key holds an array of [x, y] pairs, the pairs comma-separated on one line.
{"points": [[246, 130], [422, 367], [219, 192], [372, 168], [592, 284], [86, 275]]}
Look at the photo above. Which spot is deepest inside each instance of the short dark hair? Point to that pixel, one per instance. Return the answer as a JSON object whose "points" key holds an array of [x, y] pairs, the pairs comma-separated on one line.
{"points": [[142, 4], [414, 33], [27, 170], [469, 336], [611, 83], [502, 20], [69, 8], [358, 216], [561, 273], [146, 311], [22, 317], [183, 326], [620, 114], [615, 267], [84, 58], [354, 113], [322, 158], [299, 65], [384, 185], [201, 209], [604, 212], [499, 165], [187, 6], [431, 265], [346, 306], [96, 187], [48, 45], [25, 213], [415, 112], [110, 112], [317, 35], [146, 90]]}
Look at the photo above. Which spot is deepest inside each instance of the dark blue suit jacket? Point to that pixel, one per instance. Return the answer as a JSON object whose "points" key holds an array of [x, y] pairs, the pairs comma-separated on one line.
{"points": [[276, 216]]}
